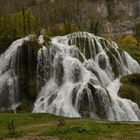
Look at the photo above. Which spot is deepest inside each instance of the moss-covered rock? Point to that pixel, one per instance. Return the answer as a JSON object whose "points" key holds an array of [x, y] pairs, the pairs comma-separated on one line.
{"points": [[84, 104], [130, 88], [26, 70], [113, 62]]}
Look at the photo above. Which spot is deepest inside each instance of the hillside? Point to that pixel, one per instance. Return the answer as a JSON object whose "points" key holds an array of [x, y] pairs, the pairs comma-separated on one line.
{"points": [[105, 17]]}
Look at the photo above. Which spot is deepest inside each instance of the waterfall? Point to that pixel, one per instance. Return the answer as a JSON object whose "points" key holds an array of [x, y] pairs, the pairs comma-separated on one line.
{"points": [[9, 86], [78, 75]]}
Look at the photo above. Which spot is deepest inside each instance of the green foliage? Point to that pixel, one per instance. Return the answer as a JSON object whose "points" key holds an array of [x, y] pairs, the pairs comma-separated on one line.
{"points": [[130, 87], [67, 130], [16, 25], [131, 45], [12, 25], [134, 51], [128, 40]]}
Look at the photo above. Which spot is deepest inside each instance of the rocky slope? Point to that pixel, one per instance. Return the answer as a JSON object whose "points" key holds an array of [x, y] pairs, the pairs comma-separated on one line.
{"points": [[118, 16]]}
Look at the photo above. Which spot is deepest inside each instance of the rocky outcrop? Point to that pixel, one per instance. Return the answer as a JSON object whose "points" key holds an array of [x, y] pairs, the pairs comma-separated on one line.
{"points": [[116, 16], [123, 15]]}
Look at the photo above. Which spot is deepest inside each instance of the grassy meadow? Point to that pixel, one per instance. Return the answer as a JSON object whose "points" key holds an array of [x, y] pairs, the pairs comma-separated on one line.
{"points": [[61, 128]]}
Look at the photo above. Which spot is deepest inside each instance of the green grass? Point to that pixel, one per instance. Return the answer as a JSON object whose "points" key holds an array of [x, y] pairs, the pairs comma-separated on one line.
{"points": [[68, 128]]}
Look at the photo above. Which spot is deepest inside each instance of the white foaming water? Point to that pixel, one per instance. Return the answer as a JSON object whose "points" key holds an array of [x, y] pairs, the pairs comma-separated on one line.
{"points": [[83, 81], [77, 76], [8, 78]]}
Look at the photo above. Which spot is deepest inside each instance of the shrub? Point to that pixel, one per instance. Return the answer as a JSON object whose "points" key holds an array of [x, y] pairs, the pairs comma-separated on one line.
{"points": [[11, 127], [128, 40]]}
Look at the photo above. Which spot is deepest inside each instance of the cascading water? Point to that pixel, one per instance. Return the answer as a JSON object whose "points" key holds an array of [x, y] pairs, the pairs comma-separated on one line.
{"points": [[78, 76], [9, 86]]}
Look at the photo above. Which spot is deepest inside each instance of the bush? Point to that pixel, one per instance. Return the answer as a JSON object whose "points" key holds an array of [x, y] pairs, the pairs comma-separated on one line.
{"points": [[128, 40]]}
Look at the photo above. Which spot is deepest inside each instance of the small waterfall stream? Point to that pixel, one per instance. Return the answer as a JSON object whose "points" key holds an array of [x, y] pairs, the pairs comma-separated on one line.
{"points": [[9, 97], [77, 75]]}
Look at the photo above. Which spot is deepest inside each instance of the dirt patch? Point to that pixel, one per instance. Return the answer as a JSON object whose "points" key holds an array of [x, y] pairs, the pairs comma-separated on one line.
{"points": [[35, 138]]}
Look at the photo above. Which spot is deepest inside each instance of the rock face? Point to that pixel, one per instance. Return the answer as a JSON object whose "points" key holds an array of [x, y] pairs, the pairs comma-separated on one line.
{"points": [[127, 14], [117, 7], [118, 16], [122, 7]]}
